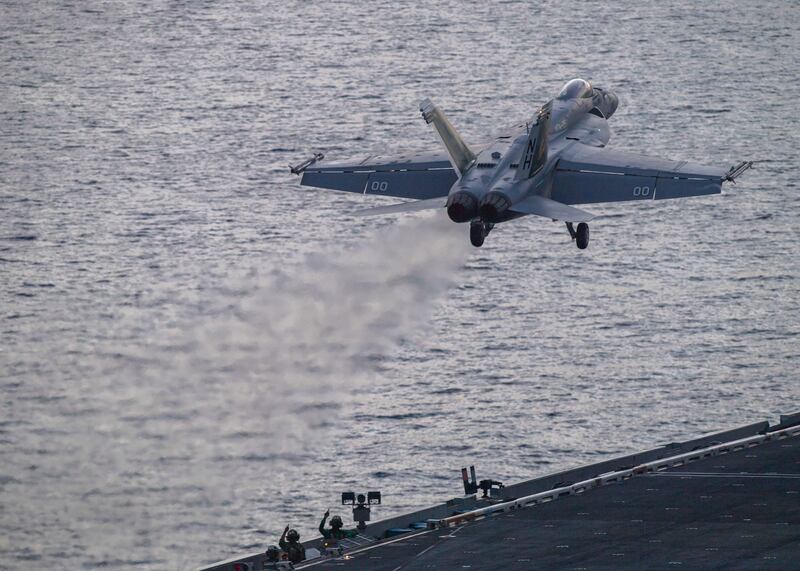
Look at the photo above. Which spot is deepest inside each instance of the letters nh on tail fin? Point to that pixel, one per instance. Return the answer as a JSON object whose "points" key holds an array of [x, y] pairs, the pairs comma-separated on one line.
{"points": [[460, 155], [535, 155]]}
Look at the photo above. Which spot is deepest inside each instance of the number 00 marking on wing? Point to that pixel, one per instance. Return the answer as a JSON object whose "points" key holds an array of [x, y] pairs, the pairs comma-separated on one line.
{"points": [[641, 191], [379, 186]]}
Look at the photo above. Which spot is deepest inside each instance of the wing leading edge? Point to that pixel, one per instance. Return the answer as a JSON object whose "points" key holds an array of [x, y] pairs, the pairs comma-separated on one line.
{"points": [[419, 177]]}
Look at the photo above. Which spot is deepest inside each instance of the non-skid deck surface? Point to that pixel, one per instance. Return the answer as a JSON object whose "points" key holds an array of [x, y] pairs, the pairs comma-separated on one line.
{"points": [[740, 510]]}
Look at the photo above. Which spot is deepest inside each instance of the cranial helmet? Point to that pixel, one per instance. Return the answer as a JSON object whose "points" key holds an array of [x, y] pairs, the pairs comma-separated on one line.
{"points": [[292, 535], [273, 553], [336, 521]]}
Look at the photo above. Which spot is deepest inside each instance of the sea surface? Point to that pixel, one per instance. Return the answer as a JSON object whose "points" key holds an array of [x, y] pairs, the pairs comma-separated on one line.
{"points": [[195, 351]]}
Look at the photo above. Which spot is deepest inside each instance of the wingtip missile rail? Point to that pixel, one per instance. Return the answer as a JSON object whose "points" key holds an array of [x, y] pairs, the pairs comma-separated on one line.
{"points": [[300, 167], [737, 170]]}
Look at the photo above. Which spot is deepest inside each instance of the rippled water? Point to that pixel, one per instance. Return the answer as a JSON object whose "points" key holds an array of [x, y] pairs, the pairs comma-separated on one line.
{"points": [[196, 351]]}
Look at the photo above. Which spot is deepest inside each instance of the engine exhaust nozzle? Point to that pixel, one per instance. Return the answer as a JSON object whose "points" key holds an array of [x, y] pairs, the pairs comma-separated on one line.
{"points": [[493, 206], [462, 206]]}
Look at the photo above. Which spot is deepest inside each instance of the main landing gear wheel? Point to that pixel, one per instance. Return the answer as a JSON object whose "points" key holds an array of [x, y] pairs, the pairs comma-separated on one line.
{"points": [[478, 230], [476, 235], [581, 235]]}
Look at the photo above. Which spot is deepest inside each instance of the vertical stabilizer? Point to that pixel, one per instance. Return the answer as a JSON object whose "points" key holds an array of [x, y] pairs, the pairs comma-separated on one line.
{"points": [[460, 155], [535, 155]]}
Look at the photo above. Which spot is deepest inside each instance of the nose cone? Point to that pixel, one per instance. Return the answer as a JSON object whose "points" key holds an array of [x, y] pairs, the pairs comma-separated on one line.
{"points": [[462, 206], [606, 101], [493, 206]]}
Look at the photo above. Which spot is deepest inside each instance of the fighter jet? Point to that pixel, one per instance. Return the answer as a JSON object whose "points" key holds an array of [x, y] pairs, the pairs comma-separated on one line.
{"points": [[541, 167]]}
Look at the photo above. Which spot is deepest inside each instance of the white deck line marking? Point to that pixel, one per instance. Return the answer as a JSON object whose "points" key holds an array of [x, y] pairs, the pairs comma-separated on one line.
{"points": [[363, 549], [602, 172], [724, 475], [425, 550]]}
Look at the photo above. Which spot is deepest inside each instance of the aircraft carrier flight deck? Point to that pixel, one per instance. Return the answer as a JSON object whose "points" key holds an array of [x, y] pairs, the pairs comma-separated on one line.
{"points": [[729, 500]]}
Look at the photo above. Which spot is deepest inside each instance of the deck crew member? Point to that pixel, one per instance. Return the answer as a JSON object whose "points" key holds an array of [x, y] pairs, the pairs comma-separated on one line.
{"points": [[293, 548], [273, 557], [335, 532]]}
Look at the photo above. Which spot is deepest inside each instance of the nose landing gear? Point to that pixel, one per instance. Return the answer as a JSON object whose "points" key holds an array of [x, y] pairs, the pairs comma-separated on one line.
{"points": [[478, 230], [581, 235]]}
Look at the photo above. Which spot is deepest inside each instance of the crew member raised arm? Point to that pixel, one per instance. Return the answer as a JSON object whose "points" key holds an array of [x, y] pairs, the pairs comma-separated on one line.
{"points": [[293, 548], [335, 531]]}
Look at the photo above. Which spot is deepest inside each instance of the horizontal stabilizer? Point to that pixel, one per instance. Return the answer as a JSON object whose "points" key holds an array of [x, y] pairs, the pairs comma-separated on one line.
{"points": [[541, 206], [429, 204]]}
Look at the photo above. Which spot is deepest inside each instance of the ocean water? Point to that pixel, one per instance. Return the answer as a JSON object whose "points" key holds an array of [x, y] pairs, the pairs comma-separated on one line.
{"points": [[195, 351]]}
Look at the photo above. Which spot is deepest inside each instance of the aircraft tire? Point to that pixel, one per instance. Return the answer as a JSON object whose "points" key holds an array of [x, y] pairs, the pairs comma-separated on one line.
{"points": [[476, 235], [582, 236]]}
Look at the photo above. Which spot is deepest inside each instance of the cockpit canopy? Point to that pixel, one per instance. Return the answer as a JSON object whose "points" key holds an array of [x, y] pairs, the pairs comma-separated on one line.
{"points": [[576, 89]]}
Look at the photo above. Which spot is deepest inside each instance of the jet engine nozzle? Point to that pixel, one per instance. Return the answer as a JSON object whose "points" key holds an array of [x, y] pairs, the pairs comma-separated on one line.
{"points": [[462, 206], [493, 206]]}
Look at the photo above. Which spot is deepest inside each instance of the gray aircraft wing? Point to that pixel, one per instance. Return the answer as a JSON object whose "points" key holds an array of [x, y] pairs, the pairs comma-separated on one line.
{"points": [[414, 176], [586, 174]]}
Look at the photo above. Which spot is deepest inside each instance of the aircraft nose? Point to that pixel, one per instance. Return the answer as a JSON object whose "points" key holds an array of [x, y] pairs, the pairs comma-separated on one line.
{"points": [[493, 205], [462, 206], [612, 101], [605, 100]]}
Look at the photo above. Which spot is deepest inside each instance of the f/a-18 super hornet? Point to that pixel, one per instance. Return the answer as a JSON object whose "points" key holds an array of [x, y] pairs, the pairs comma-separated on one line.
{"points": [[541, 167]]}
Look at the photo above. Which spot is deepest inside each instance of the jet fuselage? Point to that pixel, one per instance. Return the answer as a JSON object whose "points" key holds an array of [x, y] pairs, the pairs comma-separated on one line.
{"points": [[489, 187]]}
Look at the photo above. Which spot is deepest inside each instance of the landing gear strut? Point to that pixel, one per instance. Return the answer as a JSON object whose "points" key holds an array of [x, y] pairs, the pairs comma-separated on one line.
{"points": [[581, 235], [478, 230]]}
